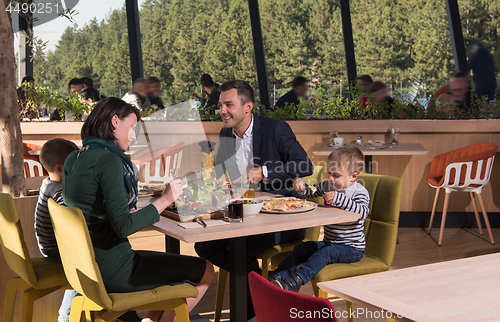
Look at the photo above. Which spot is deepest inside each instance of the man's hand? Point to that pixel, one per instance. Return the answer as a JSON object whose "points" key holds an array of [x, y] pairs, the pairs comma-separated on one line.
{"points": [[329, 197], [251, 176], [298, 185]]}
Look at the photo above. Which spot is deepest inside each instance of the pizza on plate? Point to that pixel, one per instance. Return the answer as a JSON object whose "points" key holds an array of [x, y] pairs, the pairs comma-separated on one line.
{"points": [[285, 204]]}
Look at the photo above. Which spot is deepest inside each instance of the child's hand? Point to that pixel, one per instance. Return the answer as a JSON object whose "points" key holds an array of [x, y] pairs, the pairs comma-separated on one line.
{"points": [[298, 185], [329, 197]]}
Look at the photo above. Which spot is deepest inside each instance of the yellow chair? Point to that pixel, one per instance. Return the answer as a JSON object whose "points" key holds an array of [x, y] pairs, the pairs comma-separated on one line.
{"points": [[84, 275], [381, 233], [312, 233], [37, 276]]}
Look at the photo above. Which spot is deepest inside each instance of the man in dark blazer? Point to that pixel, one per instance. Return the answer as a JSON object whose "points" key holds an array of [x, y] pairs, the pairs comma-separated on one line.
{"points": [[255, 150]]}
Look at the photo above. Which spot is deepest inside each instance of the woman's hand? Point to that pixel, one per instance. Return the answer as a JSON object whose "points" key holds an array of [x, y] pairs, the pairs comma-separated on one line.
{"points": [[173, 191]]}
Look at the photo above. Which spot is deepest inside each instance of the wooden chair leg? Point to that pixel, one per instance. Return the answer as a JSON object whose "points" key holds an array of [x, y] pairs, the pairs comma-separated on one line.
{"points": [[474, 204], [10, 299], [181, 310], [350, 311], [485, 216], [433, 213], [390, 320], [265, 267], [443, 219], [219, 297], [29, 298], [76, 309]]}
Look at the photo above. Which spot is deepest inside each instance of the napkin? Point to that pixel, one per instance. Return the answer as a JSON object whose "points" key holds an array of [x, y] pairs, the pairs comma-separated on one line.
{"points": [[210, 223]]}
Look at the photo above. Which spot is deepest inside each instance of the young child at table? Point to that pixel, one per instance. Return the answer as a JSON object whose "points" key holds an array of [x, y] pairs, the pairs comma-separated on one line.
{"points": [[342, 243], [52, 157]]}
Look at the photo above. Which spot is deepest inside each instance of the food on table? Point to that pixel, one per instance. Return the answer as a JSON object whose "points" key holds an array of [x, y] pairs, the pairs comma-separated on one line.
{"points": [[285, 204], [151, 189], [370, 141], [249, 202]]}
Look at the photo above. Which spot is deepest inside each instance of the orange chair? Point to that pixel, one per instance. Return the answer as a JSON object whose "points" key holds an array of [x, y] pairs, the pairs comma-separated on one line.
{"points": [[465, 169], [272, 303]]}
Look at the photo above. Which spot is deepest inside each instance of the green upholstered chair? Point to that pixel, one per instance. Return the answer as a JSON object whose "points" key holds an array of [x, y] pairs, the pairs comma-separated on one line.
{"points": [[381, 232], [84, 275], [37, 276], [312, 233]]}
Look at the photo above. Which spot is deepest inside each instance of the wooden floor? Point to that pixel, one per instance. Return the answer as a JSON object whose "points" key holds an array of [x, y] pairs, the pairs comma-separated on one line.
{"points": [[415, 248]]}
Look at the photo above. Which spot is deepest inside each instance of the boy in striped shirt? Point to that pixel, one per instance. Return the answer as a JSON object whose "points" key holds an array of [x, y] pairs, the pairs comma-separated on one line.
{"points": [[342, 243], [54, 153]]}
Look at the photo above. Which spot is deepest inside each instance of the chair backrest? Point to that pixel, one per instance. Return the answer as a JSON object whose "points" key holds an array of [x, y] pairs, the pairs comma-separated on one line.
{"points": [[381, 226], [272, 303], [12, 240], [472, 155], [32, 168], [318, 175], [158, 165], [77, 253]]}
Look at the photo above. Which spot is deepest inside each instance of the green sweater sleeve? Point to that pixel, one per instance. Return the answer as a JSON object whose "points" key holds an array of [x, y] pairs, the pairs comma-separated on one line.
{"points": [[110, 176]]}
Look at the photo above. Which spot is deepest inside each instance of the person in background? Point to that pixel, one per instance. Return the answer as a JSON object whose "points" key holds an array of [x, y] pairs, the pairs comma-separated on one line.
{"points": [[299, 89], [154, 92], [364, 82], [483, 68], [27, 84], [378, 96], [54, 153], [445, 89], [210, 88], [341, 243], [91, 95], [74, 85], [138, 97], [459, 97], [87, 82]]}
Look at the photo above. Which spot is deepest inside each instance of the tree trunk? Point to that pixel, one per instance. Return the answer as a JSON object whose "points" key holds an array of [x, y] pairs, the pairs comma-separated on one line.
{"points": [[10, 129]]}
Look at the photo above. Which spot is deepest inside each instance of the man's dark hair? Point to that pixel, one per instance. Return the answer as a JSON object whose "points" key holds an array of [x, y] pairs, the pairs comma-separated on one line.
{"points": [[366, 78], [74, 82], [87, 81], [27, 79], [206, 80], [244, 90], [98, 123], [153, 80], [55, 152], [461, 74], [299, 80], [92, 93]]}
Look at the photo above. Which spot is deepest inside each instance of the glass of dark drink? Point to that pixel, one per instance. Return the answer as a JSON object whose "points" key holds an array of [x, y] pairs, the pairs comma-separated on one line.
{"points": [[235, 211]]}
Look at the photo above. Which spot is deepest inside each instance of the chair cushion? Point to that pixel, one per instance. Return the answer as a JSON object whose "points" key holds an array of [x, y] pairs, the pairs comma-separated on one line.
{"points": [[126, 301], [50, 273], [366, 265]]}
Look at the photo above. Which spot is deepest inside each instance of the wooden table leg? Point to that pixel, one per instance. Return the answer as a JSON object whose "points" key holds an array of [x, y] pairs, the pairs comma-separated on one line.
{"points": [[172, 245], [238, 279]]}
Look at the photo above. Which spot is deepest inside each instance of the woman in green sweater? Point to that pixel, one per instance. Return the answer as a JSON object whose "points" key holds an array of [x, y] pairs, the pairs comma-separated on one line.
{"points": [[102, 181]]}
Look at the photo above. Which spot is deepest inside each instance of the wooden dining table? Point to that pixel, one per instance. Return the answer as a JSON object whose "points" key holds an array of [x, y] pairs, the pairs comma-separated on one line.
{"points": [[459, 290], [236, 233]]}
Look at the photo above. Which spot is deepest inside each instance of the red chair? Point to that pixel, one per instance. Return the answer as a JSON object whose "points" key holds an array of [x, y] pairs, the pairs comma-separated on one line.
{"points": [[272, 303], [467, 169]]}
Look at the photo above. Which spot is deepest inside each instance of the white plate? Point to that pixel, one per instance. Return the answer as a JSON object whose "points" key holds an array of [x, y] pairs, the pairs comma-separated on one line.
{"points": [[295, 211], [377, 143]]}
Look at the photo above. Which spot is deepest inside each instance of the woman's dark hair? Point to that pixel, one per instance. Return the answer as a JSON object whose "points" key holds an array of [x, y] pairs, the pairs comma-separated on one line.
{"points": [[376, 86], [98, 123]]}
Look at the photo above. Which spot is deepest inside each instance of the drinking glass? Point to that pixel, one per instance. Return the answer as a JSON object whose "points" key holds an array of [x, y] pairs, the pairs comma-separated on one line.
{"points": [[395, 135], [235, 211], [359, 140]]}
